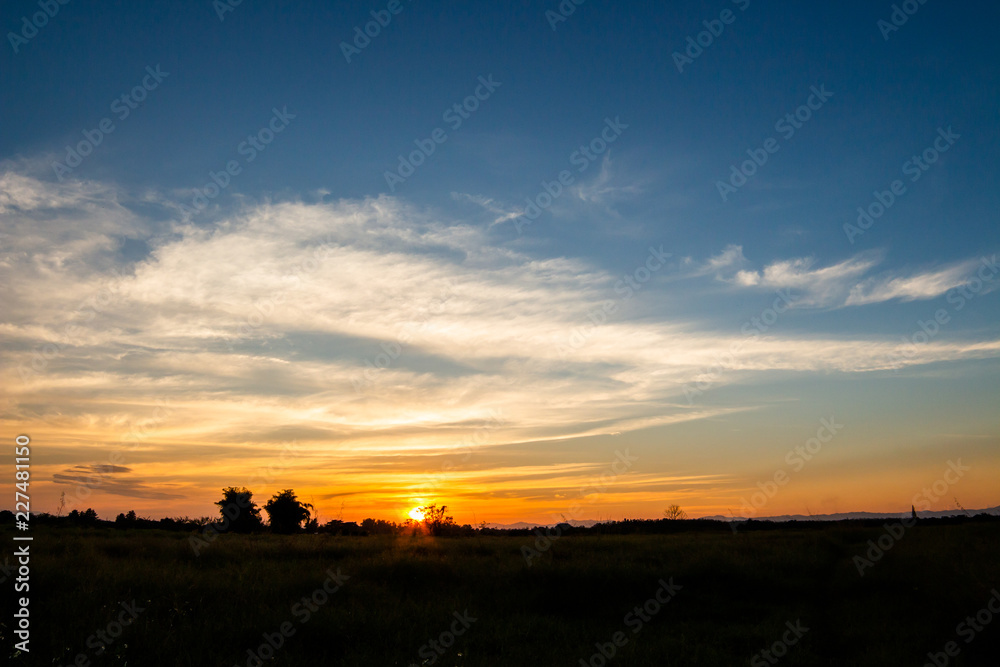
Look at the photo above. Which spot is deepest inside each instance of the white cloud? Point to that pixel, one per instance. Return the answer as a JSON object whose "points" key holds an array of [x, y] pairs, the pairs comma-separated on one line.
{"points": [[844, 283], [730, 257], [502, 213], [261, 322], [909, 288], [601, 190]]}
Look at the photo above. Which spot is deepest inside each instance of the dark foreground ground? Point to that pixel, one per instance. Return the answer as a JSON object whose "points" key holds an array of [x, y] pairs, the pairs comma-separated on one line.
{"points": [[738, 596]]}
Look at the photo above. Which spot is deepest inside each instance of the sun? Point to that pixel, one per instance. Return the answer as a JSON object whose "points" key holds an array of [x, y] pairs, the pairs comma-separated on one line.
{"points": [[417, 514]]}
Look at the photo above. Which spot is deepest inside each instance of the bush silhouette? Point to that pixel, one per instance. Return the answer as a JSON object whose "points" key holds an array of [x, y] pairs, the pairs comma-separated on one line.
{"points": [[88, 517], [240, 513], [287, 512], [126, 520]]}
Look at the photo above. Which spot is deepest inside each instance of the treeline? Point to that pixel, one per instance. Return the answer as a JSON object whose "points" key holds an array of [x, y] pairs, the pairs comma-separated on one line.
{"points": [[238, 513], [88, 518], [130, 520]]}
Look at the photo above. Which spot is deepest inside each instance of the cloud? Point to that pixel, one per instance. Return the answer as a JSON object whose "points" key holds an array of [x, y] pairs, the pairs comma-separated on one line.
{"points": [[365, 326], [910, 288], [844, 283], [601, 189], [732, 255], [106, 478], [502, 213], [825, 286], [726, 266]]}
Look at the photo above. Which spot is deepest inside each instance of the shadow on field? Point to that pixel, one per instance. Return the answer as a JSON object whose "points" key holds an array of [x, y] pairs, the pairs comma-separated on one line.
{"points": [[690, 598]]}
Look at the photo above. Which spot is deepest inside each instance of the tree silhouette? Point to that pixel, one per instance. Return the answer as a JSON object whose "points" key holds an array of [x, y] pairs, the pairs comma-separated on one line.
{"points": [[88, 517], [675, 513], [380, 526], [240, 513], [287, 512], [435, 520], [129, 519]]}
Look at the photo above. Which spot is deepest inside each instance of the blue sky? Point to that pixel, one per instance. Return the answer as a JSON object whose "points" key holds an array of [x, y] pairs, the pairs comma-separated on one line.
{"points": [[459, 218]]}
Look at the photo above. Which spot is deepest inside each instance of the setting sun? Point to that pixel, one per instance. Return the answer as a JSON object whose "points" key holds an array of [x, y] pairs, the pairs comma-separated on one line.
{"points": [[417, 514]]}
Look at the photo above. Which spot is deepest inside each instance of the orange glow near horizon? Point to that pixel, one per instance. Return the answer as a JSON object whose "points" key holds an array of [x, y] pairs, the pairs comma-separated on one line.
{"points": [[374, 356], [172, 471]]}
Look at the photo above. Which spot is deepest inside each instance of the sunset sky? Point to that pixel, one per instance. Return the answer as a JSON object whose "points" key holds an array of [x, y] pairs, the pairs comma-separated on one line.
{"points": [[497, 260]]}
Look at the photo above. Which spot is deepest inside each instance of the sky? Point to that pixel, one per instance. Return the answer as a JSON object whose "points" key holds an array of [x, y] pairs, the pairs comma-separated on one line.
{"points": [[535, 261]]}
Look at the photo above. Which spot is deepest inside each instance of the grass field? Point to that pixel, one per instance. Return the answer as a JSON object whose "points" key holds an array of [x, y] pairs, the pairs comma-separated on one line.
{"points": [[736, 595]]}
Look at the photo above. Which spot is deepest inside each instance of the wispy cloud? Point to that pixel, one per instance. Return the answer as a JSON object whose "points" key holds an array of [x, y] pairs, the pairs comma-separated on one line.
{"points": [[845, 283], [254, 328], [723, 264], [111, 479], [913, 287], [502, 214], [604, 189]]}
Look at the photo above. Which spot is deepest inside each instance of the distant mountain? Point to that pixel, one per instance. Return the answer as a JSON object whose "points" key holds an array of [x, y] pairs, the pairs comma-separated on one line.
{"points": [[856, 515]]}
